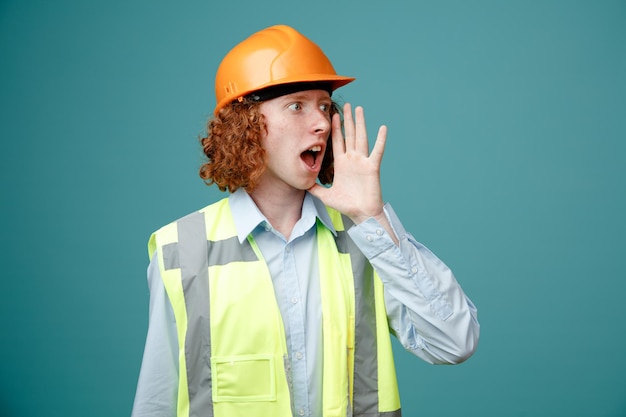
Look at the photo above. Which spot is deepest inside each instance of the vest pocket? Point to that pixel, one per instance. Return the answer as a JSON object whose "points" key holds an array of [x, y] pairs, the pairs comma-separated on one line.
{"points": [[243, 378]]}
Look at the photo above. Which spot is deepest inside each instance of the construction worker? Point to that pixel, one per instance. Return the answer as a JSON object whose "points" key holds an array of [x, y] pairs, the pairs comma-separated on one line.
{"points": [[280, 299]]}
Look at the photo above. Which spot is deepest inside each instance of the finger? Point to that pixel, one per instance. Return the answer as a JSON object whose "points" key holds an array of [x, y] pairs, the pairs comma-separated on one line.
{"points": [[348, 126], [379, 145], [361, 144], [339, 145]]}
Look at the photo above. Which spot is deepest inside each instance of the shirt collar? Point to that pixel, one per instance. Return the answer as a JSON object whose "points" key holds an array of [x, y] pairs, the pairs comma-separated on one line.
{"points": [[247, 215]]}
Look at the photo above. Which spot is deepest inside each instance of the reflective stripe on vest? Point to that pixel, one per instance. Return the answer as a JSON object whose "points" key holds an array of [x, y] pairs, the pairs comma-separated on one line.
{"points": [[375, 391], [361, 383]]}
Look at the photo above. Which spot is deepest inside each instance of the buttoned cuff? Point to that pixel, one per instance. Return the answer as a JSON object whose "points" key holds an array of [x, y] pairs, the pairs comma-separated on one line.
{"points": [[372, 238]]}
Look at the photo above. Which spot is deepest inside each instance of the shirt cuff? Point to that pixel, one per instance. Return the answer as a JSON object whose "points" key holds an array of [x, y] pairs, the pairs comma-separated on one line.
{"points": [[372, 238]]}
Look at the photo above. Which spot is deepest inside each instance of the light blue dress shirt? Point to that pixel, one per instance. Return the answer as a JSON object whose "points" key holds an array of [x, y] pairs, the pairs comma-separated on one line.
{"points": [[427, 309]]}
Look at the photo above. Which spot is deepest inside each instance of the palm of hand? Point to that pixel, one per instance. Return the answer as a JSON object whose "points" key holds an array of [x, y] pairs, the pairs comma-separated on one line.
{"points": [[356, 189]]}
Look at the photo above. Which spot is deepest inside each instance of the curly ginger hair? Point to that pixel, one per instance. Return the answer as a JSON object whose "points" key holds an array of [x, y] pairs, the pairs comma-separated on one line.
{"points": [[232, 146]]}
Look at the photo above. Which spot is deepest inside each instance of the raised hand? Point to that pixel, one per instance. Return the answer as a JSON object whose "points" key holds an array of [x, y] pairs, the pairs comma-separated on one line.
{"points": [[356, 189]]}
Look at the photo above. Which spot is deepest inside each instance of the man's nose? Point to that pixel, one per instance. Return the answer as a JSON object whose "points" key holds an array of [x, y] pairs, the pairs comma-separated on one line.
{"points": [[321, 121]]}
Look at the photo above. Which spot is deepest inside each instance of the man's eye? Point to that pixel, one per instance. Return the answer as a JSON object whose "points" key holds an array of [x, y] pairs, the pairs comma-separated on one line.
{"points": [[325, 108], [295, 106]]}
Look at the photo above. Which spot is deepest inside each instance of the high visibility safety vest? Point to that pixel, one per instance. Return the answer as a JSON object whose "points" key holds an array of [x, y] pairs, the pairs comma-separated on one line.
{"points": [[233, 358]]}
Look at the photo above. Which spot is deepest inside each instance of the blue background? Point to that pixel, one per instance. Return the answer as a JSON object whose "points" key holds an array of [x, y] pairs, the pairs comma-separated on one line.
{"points": [[506, 156]]}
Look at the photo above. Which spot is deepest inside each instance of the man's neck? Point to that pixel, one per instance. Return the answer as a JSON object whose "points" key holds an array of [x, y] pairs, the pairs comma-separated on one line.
{"points": [[282, 210]]}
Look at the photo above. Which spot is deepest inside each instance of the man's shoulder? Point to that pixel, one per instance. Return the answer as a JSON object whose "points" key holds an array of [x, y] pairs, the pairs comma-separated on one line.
{"points": [[209, 210]]}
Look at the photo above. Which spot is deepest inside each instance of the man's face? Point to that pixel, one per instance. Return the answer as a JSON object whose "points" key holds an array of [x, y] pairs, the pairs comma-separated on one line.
{"points": [[298, 126]]}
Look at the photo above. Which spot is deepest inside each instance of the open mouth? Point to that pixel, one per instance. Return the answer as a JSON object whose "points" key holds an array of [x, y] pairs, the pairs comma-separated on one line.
{"points": [[311, 156]]}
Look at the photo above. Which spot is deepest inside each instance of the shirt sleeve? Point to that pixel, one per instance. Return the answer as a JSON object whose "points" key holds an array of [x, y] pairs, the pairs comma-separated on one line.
{"points": [[157, 387], [426, 307]]}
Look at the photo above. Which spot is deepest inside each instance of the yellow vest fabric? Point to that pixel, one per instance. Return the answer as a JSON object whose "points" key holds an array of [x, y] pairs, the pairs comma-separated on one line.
{"points": [[233, 357]]}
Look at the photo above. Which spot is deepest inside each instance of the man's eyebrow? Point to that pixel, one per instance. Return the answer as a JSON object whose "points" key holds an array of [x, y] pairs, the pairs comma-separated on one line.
{"points": [[295, 96], [303, 95]]}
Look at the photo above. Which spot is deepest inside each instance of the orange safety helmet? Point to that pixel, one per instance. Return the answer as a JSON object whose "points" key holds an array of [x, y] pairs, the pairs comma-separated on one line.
{"points": [[274, 56]]}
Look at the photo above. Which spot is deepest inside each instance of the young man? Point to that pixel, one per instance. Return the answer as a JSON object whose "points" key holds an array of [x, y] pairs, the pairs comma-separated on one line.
{"points": [[279, 299]]}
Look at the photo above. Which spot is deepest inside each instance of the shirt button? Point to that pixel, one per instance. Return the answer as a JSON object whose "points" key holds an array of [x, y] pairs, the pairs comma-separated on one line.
{"points": [[298, 355], [301, 411], [294, 300], [369, 238], [414, 270], [379, 232]]}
